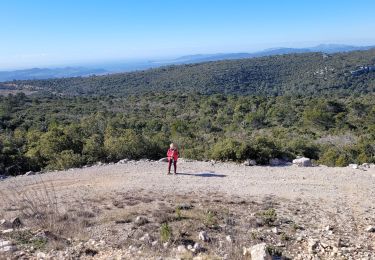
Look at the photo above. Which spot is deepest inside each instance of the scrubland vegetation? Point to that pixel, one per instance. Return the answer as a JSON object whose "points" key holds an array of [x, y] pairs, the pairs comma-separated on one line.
{"points": [[275, 107]]}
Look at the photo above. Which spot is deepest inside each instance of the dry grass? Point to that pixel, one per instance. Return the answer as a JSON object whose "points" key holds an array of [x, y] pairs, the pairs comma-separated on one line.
{"points": [[37, 205], [36, 200]]}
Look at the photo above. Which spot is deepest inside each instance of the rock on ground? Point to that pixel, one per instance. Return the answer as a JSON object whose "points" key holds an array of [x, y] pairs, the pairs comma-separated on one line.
{"points": [[302, 162], [203, 236], [257, 252]]}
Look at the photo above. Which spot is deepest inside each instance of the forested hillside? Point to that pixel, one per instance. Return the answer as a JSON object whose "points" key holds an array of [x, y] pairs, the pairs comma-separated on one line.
{"points": [[275, 107], [58, 133], [303, 74]]}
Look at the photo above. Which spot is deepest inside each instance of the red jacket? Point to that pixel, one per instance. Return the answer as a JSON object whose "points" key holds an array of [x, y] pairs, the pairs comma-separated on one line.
{"points": [[172, 153]]}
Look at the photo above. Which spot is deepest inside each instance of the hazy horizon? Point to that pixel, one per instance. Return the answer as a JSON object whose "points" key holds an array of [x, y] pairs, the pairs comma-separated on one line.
{"points": [[44, 33]]}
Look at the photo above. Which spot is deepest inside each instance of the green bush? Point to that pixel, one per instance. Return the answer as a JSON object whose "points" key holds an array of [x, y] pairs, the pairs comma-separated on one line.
{"points": [[225, 150], [165, 232], [264, 149], [65, 160], [329, 157], [123, 143], [268, 216]]}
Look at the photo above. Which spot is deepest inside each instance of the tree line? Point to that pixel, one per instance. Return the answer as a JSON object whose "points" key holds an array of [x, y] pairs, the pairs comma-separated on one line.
{"points": [[54, 132]]}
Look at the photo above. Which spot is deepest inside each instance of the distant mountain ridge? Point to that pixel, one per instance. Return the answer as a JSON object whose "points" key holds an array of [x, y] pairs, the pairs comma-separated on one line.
{"points": [[312, 73], [46, 73], [325, 48]]}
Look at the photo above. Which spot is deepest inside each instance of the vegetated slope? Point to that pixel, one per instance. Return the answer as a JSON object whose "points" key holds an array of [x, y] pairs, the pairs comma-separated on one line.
{"points": [[304, 74]]}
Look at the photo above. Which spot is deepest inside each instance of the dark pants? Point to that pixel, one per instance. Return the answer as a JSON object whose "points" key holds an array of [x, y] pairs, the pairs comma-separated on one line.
{"points": [[170, 164]]}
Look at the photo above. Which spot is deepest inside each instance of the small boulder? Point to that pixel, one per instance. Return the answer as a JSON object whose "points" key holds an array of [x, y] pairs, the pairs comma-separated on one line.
{"points": [[181, 249], [203, 236], [328, 228], [257, 252], [275, 162], [16, 223], [41, 256], [250, 162], [312, 245], [146, 238], [140, 220], [354, 166], [8, 249], [5, 223], [7, 231], [7, 246], [229, 239], [365, 165], [275, 230], [370, 229], [123, 161], [302, 162], [197, 247], [5, 243], [185, 206], [29, 173]]}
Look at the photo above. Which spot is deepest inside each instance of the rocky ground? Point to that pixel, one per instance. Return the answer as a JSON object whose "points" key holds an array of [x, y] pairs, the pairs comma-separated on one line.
{"points": [[133, 210]]}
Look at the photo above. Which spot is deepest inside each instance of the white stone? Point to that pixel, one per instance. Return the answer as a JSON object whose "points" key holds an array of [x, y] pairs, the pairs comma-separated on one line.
{"points": [[181, 249], [257, 252], [229, 239], [4, 243], [5, 224], [123, 161], [354, 166], [302, 162], [328, 228], [141, 220], [7, 231], [203, 236], [197, 247], [250, 162], [41, 256], [365, 165], [275, 230], [146, 238], [8, 249]]}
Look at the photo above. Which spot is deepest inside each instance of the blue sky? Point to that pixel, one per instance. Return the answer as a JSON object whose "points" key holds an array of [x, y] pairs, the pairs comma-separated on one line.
{"points": [[62, 32]]}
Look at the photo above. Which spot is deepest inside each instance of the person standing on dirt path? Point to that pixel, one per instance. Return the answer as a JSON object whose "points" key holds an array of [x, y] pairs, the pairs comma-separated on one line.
{"points": [[172, 155]]}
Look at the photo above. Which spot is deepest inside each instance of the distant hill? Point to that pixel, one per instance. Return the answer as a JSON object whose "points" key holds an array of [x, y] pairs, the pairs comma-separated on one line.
{"points": [[38, 73], [325, 48], [297, 74], [117, 67]]}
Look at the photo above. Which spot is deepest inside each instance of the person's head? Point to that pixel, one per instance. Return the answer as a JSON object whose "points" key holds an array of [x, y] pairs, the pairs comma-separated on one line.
{"points": [[173, 146]]}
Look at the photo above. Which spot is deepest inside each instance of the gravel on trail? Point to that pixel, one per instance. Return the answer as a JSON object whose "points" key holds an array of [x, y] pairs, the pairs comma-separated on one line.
{"points": [[354, 187]]}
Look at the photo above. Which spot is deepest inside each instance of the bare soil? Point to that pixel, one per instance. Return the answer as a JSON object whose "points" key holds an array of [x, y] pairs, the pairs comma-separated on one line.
{"points": [[330, 205]]}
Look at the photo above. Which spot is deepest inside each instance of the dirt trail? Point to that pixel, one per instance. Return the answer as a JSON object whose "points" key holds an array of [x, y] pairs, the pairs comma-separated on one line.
{"points": [[108, 199], [354, 187]]}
